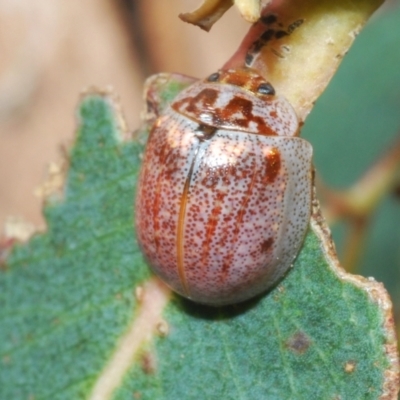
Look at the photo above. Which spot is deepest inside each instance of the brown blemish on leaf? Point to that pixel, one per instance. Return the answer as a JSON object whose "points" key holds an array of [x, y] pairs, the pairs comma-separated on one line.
{"points": [[55, 181], [298, 343], [148, 363], [162, 328], [278, 292], [6, 359], [350, 366]]}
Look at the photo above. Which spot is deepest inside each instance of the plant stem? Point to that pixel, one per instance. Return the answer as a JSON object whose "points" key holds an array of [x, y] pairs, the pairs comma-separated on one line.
{"points": [[308, 42], [358, 203]]}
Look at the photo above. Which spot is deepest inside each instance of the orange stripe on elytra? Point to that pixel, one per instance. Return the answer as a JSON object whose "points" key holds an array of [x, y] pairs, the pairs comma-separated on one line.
{"points": [[180, 251]]}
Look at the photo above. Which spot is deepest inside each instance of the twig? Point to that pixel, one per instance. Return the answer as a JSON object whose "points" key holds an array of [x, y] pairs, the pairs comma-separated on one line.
{"points": [[357, 204]]}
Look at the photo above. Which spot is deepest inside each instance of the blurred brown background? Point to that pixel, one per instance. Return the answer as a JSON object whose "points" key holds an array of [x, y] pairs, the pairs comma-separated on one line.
{"points": [[52, 50]]}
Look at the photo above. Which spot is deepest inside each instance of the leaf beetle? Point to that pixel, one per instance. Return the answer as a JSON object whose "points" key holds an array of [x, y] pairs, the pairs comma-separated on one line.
{"points": [[224, 192]]}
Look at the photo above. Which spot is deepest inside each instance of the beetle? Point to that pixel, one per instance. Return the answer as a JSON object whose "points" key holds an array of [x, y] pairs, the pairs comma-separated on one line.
{"points": [[224, 192]]}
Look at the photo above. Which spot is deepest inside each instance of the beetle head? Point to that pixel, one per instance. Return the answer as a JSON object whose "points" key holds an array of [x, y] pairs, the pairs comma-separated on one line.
{"points": [[245, 78]]}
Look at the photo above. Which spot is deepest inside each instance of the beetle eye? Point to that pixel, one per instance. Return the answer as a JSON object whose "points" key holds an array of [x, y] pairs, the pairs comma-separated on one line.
{"points": [[266, 88], [213, 77]]}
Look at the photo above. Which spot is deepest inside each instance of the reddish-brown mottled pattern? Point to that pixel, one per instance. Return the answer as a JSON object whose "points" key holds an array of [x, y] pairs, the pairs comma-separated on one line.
{"points": [[238, 112], [236, 109], [221, 211], [267, 244], [272, 165], [204, 99]]}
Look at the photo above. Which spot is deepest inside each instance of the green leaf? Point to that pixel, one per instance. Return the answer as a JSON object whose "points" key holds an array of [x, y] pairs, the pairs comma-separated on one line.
{"points": [[66, 296], [69, 311], [297, 342]]}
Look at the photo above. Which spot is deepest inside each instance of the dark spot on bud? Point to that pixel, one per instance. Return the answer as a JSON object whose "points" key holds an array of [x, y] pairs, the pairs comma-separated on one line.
{"points": [[280, 34], [267, 35], [294, 25], [269, 19], [249, 59], [266, 88], [213, 77]]}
